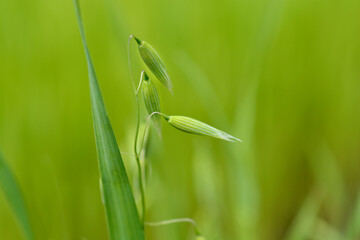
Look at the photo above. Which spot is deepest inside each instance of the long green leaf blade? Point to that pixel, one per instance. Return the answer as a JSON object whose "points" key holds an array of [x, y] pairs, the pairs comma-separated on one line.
{"points": [[122, 216], [13, 194]]}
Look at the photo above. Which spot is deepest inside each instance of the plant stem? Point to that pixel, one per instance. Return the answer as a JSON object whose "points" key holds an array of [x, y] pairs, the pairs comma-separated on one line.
{"points": [[137, 157], [145, 129], [176, 220]]}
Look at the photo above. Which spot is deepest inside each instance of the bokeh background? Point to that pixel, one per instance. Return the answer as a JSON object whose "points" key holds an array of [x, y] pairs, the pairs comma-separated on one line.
{"points": [[282, 75]]}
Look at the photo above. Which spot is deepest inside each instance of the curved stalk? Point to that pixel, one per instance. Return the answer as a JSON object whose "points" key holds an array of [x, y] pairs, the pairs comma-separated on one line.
{"points": [[177, 220], [145, 128], [140, 83], [128, 52], [137, 157]]}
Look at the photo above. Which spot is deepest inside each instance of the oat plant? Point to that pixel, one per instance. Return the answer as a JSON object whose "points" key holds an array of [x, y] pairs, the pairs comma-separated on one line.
{"points": [[120, 208], [150, 96]]}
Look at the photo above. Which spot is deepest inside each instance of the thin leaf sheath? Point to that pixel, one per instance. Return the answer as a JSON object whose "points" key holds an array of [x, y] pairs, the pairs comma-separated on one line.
{"points": [[151, 100], [154, 63], [190, 125]]}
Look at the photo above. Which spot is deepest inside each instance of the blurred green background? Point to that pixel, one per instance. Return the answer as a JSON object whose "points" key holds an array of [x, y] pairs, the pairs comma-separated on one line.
{"points": [[282, 75]]}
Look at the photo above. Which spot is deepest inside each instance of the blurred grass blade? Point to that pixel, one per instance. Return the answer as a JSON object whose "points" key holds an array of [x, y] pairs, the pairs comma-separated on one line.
{"points": [[13, 194], [324, 230], [201, 83], [244, 200], [304, 222], [353, 228], [122, 216], [328, 177]]}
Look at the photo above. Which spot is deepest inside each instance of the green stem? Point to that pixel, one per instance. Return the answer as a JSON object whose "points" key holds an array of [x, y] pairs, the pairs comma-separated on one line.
{"points": [[176, 220], [140, 83], [137, 157], [146, 127]]}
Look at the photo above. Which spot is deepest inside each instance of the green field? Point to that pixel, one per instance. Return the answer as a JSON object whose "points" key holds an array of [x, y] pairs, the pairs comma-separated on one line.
{"points": [[281, 75]]}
